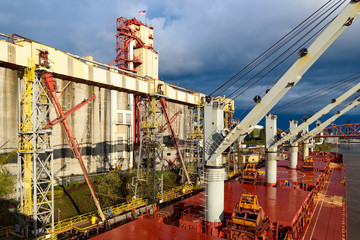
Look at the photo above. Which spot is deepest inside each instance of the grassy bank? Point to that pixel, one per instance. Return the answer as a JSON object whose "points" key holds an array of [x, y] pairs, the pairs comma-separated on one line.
{"points": [[111, 189], [324, 147]]}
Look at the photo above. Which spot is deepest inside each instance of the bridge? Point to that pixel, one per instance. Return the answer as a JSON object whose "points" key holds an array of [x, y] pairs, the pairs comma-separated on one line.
{"points": [[347, 130]]}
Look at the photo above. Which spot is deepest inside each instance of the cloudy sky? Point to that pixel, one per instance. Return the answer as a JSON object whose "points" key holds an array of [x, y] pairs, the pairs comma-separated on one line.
{"points": [[201, 43]]}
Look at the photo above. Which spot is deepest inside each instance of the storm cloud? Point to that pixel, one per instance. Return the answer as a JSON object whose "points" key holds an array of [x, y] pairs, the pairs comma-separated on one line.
{"points": [[201, 43]]}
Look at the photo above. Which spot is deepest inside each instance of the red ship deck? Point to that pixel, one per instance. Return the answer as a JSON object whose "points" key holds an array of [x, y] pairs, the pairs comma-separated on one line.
{"points": [[286, 174], [280, 204], [151, 229], [284, 205], [329, 217]]}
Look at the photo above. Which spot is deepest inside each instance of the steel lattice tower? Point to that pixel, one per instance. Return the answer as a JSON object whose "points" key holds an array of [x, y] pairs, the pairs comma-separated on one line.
{"points": [[149, 175], [35, 177]]}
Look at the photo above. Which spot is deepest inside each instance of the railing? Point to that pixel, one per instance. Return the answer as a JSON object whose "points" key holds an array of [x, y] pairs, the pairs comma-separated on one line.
{"points": [[177, 192], [213, 142], [67, 224], [4, 231]]}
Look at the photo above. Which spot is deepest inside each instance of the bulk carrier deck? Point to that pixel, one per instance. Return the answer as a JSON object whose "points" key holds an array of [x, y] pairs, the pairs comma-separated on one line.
{"points": [[311, 205], [138, 119]]}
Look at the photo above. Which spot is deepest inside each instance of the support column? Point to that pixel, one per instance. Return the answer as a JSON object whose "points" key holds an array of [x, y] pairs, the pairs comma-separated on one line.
{"points": [[270, 168], [215, 174], [271, 151], [131, 131], [293, 156], [312, 145], [294, 149], [213, 126], [214, 202], [306, 145], [305, 149]]}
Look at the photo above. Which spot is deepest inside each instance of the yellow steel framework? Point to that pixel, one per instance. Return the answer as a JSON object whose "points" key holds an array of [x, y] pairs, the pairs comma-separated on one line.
{"points": [[195, 137], [149, 175], [26, 144], [35, 155], [177, 192]]}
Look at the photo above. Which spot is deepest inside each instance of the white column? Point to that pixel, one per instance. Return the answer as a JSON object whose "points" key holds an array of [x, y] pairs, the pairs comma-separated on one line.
{"points": [[131, 132], [214, 202], [294, 149], [271, 152], [305, 149], [293, 156], [270, 168]]}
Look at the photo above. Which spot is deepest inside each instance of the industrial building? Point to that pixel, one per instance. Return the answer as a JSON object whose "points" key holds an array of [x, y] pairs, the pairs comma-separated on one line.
{"points": [[58, 108], [107, 127], [116, 114]]}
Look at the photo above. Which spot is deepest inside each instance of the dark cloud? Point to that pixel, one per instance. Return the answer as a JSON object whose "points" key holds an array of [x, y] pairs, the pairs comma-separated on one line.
{"points": [[200, 43]]}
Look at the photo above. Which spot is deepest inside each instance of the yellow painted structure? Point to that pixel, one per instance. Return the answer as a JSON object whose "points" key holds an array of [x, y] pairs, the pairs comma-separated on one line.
{"points": [[26, 138], [248, 202], [308, 163]]}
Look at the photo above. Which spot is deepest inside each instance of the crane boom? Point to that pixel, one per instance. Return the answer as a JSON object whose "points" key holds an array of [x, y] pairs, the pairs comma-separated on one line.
{"points": [[290, 78], [316, 116], [323, 125]]}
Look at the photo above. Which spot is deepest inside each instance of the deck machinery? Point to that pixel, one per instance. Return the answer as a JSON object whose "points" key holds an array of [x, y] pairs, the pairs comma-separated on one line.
{"points": [[216, 145], [308, 164], [250, 174], [248, 220]]}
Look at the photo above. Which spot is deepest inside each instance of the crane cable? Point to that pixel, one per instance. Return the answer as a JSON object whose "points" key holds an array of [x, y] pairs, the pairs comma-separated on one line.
{"points": [[310, 97], [236, 92], [261, 55], [294, 35], [278, 45]]}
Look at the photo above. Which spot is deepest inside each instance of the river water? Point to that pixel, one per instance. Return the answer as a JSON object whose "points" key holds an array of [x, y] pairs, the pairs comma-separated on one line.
{"points": [[351, 153]]}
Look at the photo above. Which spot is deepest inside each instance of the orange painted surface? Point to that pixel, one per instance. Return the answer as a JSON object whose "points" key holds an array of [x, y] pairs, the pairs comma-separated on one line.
{"points": [[280, 204], [151, 229], [329, 217]]}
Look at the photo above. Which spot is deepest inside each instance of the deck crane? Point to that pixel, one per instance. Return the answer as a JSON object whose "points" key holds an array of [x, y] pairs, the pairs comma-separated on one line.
{"points": [[276, 141], [306, 135], [215, 172], [334, 102], [326, 123], [319, 127]]}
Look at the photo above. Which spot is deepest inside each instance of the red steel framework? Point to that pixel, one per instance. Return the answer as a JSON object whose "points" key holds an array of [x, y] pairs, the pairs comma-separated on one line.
{"points": [[343, 130], [172, 119], [52, 90], [125, 33], [175, 139], [137, 120]]}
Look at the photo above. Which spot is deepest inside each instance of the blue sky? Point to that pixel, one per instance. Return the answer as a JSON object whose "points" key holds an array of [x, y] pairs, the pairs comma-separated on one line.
{"points": [[200, 43]]}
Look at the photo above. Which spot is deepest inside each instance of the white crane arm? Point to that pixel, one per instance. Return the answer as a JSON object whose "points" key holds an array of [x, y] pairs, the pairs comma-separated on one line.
{"points": [[316, 116], [290, 78], [323, 125]]}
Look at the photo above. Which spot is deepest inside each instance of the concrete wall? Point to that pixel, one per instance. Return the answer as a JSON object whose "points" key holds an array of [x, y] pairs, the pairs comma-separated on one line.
{"points": [[8, 110], [91, 125]]}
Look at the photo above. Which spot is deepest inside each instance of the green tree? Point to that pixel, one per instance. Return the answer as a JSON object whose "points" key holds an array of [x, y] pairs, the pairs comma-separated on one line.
{"points": [[6, 180], [262, 134], [114, 187]]}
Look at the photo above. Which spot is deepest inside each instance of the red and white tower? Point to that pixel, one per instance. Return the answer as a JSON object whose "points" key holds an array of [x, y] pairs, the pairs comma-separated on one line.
{"points": [[134, 48]]}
